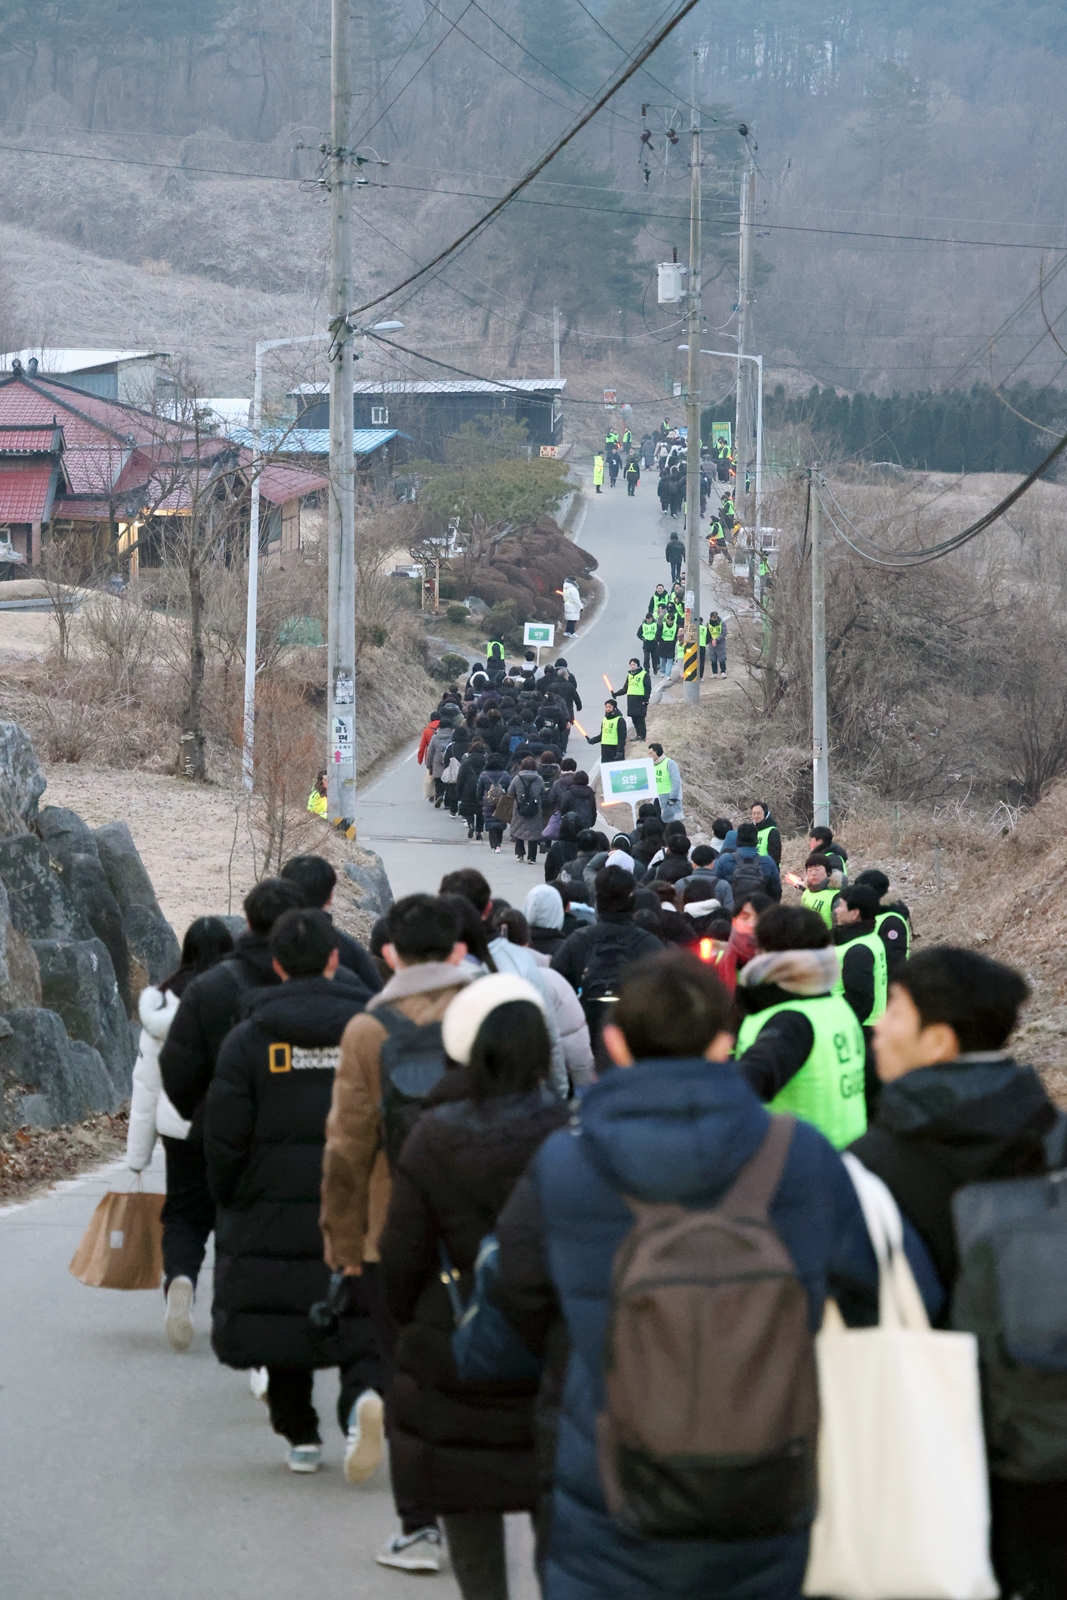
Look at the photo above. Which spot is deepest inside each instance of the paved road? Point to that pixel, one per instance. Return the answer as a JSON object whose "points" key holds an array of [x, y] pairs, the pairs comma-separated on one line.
{"points": [[418, 843], [127, 1471]]}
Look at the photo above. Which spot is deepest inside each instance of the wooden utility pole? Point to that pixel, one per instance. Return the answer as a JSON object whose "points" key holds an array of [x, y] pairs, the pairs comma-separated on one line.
{"points": [[820, 764], [691, 658], [341, 652], [745, 297]]}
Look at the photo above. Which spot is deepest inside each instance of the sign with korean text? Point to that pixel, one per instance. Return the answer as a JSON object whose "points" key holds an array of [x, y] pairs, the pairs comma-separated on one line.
{"points": [[539, 633], [633, 781]]}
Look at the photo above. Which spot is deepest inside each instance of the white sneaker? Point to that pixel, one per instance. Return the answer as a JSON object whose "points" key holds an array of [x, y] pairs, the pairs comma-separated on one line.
{"points": [[412, 1552], [259, 1382], [363, 1444], [305, 1457], [179, 1324]]}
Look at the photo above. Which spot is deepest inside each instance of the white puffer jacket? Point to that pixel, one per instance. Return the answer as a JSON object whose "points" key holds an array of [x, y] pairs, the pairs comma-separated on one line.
{"points": [[150, 1110]]}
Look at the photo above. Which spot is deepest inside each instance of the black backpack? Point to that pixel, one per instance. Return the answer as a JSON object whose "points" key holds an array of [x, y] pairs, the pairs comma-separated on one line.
{"points": [[412, 1061], [1011, 1293], [746, 879], [600, 976], [528, 806]]}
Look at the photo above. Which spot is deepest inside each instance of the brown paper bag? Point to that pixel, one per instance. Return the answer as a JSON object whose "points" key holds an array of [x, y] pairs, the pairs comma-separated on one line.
{"points": [[122, 1247]]}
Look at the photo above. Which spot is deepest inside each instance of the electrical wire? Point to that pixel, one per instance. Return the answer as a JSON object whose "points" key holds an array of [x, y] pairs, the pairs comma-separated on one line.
{"points": [[921, 558], [469, 234], [626, 55], [620, 115]]}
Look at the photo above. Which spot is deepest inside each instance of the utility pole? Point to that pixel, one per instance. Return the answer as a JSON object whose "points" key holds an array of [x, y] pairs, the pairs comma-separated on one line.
{"points": [[691, 658], [820, 758], [557, 404], [341, 652], [745, 297]]}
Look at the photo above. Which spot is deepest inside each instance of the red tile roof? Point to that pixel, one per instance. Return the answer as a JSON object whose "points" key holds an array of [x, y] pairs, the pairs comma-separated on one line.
{"points": [[278, 484], [25, 491], [27, 441]]}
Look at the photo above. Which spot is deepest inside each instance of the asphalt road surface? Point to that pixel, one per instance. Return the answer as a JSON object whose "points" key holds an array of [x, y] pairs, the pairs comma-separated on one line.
{"points": [[128, 1471]]}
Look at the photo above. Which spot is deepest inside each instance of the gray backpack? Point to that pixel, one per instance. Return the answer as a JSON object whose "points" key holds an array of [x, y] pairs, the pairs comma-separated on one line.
{"points": [[1011, 1293], [712, 1414]]}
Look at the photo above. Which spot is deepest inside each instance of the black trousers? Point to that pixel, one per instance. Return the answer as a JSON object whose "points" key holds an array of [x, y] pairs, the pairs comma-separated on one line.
{"points": [[650, 657], [188, 1211], [571, 625], [527, 847], [495, 831], [612, 752], [1029, 1538], [703, 653], [476, 1547], [292, 1412], [636, 713], [676, 570]]}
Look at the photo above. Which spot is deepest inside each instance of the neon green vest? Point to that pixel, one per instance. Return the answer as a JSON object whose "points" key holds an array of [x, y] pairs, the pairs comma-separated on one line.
{"points": [[828, 1089], [663, 777], [714, 631], [668, 631], [494, 650], [822, 901], [880, 918], [763, 840], [609, 730], [649, 630], [635, 684], [703, 635], [881, 974]]}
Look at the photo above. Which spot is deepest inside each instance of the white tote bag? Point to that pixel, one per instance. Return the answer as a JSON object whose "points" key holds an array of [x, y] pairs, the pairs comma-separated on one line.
{"points": [[903, 1493]]}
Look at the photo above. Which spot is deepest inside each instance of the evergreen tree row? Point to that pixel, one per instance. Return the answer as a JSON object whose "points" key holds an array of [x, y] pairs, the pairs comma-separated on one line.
{"points": [[952, 431]]}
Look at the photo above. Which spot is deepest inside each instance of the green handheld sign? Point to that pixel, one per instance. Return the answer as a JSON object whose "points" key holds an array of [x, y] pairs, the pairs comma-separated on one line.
{"points": [[632, 781], [539, 633]]}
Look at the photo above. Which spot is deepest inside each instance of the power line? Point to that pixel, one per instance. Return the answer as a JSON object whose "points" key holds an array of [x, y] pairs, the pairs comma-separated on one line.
{"points": [[921, 558], [539, 166], [365, 133], [626, 55], [479, 377]]}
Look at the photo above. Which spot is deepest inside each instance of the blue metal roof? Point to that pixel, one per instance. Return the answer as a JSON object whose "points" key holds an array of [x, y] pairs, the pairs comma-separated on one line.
{"points": [[311, 441]]}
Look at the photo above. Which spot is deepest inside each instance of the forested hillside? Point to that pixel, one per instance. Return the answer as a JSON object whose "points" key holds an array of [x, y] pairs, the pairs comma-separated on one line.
{"points": [[885, 130]]}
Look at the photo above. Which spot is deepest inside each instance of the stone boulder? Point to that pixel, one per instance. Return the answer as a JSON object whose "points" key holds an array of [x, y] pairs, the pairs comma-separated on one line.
{"points": [[372, 882], [154, 952], [89, 889], [39, 1062], [126, 873], [21, 780], [65, 834], [78, 984], [41, 906], [22, 984]]}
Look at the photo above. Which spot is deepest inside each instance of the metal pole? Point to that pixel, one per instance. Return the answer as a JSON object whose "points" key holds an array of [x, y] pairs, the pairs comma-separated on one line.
{"points": [[252, 611], [341, 652], [744, 321], [557, 404], [690, 672], [820, 764], [759, 448]]}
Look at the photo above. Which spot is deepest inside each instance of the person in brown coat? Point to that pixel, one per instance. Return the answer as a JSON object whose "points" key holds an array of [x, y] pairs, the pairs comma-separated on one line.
{"points": [[470, 1446], [425, 956]]}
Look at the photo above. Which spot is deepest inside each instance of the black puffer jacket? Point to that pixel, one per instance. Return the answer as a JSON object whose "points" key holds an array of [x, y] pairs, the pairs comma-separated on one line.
{"points": [[459, 1446], [580, 799], [210, 1007], [264, 1132]]}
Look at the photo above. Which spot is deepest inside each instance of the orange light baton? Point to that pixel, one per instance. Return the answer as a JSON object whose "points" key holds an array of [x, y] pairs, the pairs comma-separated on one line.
{"points": [[581, 730], [607, 680]]}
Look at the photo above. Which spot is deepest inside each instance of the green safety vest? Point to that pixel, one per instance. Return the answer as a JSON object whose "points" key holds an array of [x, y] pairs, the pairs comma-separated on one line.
{"points": [[649, 630], [703, 635], [609, 730], [494, 650], [627, 437], [881, 974], [880, 918], [668, 631], [763, 839], [637, 684], [714, 631], [822, 901], [663, 777], [828, 1091], [658, 601]]}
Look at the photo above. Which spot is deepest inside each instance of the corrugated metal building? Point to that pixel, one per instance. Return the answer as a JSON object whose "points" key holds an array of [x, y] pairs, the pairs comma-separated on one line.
{"points": [[428, 411]]}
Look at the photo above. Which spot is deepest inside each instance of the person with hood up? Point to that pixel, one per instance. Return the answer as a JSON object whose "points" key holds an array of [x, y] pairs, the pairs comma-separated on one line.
{"points": [[470, 770], [768, 837], [188, 1214], [573, 605], [633, 476], [675, 552], [744, 861], [579, 801], [469, 1448], [427, 734], [956, 1108], [799, 1045], [672, 1124], [264, 1132], [543, 910]]}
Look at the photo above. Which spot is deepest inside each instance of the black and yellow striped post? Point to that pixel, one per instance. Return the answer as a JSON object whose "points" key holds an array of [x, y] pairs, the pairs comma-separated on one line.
{"points": [[691, 662]]}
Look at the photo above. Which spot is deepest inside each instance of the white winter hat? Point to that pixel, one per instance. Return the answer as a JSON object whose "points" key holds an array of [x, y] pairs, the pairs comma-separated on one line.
{"points": [[467, 1012]]}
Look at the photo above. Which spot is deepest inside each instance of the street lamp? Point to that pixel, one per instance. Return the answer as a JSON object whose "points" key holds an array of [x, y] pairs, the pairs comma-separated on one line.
{"points": [[732, 355], [252, 610]]}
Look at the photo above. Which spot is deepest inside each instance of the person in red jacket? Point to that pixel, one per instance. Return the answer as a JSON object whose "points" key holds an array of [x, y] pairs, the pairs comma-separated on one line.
{"points": [[427, 734], [727, 959]]}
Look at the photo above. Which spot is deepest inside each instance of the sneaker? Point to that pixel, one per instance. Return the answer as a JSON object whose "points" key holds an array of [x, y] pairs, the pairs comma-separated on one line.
{"points": [[412, 1552], [259, 1382], [496, 849], [179, 1323], [363, 1444], [305, 1457]]}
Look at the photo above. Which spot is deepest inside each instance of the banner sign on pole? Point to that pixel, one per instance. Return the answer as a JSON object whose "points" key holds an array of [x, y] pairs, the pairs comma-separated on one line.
{"points": [[610, 396], [539, 633], [632, 781], [722, 430]]}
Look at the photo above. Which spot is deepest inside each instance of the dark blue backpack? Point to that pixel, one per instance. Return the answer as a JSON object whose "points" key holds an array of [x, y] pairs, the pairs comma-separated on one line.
{"points": [[485, 1347]]}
